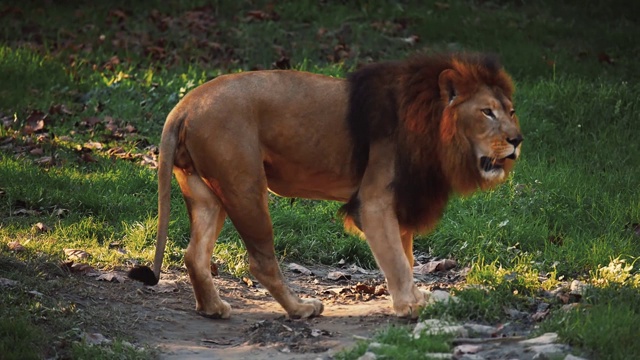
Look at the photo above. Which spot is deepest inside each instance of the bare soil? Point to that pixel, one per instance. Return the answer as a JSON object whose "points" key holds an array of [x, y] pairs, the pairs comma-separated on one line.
{"points": [[163, 317]]}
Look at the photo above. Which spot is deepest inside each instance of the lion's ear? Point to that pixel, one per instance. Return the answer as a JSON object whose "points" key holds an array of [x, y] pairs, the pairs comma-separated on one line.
{"points": [[447, 84]]}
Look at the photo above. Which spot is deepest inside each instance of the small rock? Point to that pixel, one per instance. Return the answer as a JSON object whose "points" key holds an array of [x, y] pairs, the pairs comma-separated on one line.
{"points": [[439, 356], [548, 351], [544, 339], [368, 356], [435, 327], [95, 339], [467, 349], [573, 357], [338, 275], [7, 282], [477, 330], [569, 307], [439, 296], [578, 287]]}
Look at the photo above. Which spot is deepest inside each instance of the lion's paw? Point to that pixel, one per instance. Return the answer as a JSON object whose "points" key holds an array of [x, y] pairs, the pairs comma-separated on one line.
{"points": [[223, 311], [412, 305], [307, 308]]}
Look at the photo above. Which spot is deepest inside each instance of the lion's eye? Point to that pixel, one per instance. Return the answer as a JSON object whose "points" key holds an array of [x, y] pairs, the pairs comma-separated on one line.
{"points": [[512, 112], [488, 112]]}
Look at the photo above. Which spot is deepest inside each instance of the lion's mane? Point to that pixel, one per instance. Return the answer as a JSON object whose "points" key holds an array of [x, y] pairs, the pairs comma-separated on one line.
{"points": [[403, 102]]}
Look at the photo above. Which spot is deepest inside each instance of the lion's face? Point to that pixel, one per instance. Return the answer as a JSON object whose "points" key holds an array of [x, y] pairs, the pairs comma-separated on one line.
{"points": [[488, 121]]}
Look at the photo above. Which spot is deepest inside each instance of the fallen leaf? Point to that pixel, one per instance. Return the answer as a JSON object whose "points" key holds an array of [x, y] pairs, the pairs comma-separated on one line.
{"points": [[284, 63], [25, 212], [41, 227], [540, 315], [336, 290], [35, 293], [36, 151], [164, 286], [95, 339], [380, 290], [214, 269], [300, 269], [93, 145], [441, 5], [78, 268], [59, 212], [605, 58], [338, 275], [247, 281], [7, 282], [111, 276], [45, 160], [223, 342], [363, 288], [76, 254], [59, 109], [16, 246], [34, 122], [435, 265]]}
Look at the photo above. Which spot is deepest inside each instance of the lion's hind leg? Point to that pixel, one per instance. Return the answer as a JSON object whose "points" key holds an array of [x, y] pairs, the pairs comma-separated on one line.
{"points": [[248, 210], [207, 217]]}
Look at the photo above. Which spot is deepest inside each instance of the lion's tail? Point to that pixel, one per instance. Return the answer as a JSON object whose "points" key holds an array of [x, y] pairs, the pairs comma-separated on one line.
{"points": [[168, 146]]}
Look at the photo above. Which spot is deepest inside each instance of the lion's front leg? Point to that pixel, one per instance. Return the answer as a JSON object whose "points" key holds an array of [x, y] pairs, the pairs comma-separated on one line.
{"points": [[383, 235], [391, 246]]}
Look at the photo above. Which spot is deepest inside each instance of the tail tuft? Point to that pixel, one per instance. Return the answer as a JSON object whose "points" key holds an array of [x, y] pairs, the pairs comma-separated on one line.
{"points": [[144, 274]]}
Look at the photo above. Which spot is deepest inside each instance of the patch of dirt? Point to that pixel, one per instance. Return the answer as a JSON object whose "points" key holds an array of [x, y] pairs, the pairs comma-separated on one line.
{"points": [[163, 317]]}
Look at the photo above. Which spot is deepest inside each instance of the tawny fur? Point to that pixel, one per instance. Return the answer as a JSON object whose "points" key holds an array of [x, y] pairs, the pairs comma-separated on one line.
{"points": [[393, 141]]}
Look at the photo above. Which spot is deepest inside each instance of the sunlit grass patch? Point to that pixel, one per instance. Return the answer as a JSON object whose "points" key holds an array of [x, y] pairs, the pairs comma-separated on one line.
{"points": [[605, 323], [399, 343]]}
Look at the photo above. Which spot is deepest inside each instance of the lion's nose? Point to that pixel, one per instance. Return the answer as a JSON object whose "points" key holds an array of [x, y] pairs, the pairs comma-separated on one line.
{"points": [[515, 141]]}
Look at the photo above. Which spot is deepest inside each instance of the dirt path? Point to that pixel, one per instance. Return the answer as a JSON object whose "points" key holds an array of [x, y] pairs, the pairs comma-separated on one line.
{"points": [[163, 317]]}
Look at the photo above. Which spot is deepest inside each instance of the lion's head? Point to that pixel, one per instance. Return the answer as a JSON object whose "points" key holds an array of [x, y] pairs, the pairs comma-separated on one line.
{"points": [[479, 118], [460, 108]]}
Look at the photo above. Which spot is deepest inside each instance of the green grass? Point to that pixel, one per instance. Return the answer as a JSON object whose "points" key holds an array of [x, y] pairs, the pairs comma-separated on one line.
{"points": [[399, 343], [569, 208]]}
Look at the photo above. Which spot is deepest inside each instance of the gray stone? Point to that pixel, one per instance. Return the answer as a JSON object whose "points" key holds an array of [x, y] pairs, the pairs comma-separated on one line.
{"points": [[368, 356], [436, 327], [546, 338]]}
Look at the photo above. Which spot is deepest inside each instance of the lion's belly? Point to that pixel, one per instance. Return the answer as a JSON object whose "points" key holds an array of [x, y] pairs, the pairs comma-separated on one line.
{"points": [[291, 181]]}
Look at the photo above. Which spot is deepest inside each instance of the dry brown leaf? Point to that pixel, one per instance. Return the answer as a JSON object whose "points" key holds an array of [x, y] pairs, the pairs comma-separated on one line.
{"points": [[95, 339], [45, 160], [36, 151], [79, 268], [93, 145], [76, 254], [366, 289], [34, 123], [540, 315], [59, 109], [41, 227], [247, 281], [434, 266], [300, 269], [338, 275], [112, 276], [16, 246], [25, 212], [164, 286]]}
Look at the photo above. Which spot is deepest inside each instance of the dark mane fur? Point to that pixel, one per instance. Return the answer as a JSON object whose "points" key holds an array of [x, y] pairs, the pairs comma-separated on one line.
{"points": [[403, 100]]}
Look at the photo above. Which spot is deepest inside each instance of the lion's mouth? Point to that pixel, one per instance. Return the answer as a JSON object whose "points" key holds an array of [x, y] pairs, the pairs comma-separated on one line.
{"points": [[488, 164]]}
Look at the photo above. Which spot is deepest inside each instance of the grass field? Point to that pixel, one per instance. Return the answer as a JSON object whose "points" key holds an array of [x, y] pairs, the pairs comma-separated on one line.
{"points": [[86, 87]]}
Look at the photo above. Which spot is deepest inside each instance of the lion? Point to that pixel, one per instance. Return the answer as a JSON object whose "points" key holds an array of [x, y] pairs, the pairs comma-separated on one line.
{"points": [[393, 141]]}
